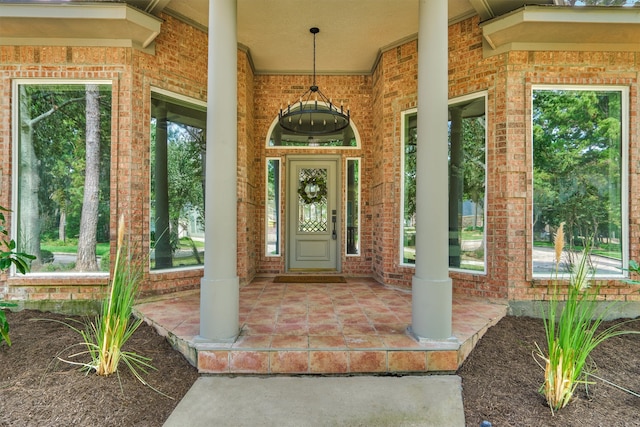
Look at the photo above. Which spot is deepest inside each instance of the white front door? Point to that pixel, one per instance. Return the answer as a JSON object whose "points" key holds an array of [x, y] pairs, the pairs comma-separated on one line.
{"points": [[313, 214]]}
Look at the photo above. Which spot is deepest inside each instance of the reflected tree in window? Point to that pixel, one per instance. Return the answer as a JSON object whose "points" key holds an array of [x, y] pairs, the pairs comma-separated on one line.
{"points": [[467, 176], [63, 174], [577, 158], [178, 147]]}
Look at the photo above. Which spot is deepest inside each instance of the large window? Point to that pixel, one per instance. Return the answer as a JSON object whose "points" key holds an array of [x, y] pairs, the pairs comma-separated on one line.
{"points": [[177, 181], [62, 157], [579, 175], [467, 176]]}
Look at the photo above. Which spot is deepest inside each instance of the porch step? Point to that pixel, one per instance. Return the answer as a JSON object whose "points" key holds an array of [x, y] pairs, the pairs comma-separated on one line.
{"points": [[334, 361], [358, 327]]}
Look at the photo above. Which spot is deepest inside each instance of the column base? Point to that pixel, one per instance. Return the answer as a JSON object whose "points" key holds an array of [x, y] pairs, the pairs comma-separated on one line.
{"points": [[431, 309], [219, 309]]}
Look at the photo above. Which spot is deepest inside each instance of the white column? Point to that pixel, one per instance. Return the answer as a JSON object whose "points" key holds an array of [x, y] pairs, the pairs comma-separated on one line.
{"points": [[219, 288], [431, 285]]}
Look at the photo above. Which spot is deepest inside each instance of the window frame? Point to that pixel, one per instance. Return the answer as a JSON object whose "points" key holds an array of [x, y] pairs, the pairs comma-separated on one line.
{"points": [[15, 173], [278, 209], [403, 123], [346, 207], [180, 99], [458, 100], [624, 172], [403, 130]]}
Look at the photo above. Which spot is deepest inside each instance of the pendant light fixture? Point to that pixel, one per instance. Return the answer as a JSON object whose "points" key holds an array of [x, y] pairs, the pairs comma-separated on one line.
{"points": [[314, 113]]}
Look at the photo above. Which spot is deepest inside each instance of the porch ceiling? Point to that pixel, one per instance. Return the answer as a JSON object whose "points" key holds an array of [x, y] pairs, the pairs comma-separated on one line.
{"points": [[276, 32], [352, 33]]}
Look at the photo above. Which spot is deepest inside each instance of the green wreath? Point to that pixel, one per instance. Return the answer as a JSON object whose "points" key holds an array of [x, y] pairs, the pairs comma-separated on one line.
{"points": [[320, 194]]}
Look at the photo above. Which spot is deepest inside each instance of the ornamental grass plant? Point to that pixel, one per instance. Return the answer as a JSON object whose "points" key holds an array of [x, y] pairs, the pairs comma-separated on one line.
{"points": [[105, 337], [571, 329]]}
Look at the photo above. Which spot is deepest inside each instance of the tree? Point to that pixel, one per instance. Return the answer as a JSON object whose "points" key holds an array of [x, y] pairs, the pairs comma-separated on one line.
{"points": [[30, 172], [576, 157], [86, 259], [53, 158], [177, 182]]}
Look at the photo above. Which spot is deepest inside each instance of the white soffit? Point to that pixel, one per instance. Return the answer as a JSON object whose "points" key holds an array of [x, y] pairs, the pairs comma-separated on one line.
{"points": [[105, 24], [563, 28]]}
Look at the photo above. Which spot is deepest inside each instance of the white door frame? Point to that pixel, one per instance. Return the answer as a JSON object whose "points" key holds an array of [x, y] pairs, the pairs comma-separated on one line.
{"points": [[291, 206]]}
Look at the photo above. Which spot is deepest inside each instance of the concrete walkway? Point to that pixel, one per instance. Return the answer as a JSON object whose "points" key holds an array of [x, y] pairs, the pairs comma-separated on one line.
{"points": [[322, 401]]}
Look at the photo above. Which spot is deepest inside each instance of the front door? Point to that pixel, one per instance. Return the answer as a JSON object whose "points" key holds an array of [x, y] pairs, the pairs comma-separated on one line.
{"points": [[313, 214]]}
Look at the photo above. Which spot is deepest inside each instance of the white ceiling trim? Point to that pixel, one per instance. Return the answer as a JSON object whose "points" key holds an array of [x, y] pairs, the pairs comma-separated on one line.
{"points": [[106, 24], [563, 28]]}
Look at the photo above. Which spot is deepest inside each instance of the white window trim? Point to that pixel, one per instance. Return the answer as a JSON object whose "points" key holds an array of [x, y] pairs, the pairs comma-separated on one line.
{"points": [[403, 115], [201, 105], [483, 94], [15, 138], [179, 97], [358, 196], [278, 209], [624, 175]]}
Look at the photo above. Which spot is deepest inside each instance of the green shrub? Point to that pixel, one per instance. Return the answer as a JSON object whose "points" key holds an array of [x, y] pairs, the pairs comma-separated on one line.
{"points": [[9, 256], [47, 256]]}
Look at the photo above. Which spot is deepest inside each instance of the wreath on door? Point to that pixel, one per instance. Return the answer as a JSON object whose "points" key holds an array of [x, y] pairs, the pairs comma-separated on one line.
{"points": [[312, 189]]}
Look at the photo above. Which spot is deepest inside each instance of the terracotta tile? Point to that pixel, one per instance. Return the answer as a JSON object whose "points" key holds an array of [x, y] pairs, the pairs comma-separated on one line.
{"points": [[323, 318], [368, 361], [258, 329], [292, 329], [253, 342], [384, 318], [353, 319], [363, 341], [442, 360], [260, 320], [213, 362], [359, 329], [290, 342], [289, 362], [407, 361], [350, 309], [325, 329], [292, 310], [328, 362], [253, 362], [288, 319], [400, 341], [327, 341], [390, 328]]}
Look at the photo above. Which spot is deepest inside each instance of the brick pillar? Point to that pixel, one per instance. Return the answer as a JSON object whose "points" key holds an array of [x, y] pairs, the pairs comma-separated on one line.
{"points": [[431, 285], [219, 288]]}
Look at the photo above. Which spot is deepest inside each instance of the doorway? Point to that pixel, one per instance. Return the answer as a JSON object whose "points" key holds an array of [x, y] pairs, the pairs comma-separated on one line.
{"points": [[313, 214]]}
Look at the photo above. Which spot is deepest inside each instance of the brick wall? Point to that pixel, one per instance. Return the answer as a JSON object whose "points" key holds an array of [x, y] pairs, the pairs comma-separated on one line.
{"points": [[507, 80], [179, 65], [376, 103], [273, 91], [395, 91]]}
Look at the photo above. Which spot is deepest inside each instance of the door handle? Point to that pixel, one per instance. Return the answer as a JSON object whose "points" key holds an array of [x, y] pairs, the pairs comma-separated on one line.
{"points": [[334, 234]]}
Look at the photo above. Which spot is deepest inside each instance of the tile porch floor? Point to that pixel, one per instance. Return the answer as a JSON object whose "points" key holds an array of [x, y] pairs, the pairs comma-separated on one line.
{"points": [[317, 328]]}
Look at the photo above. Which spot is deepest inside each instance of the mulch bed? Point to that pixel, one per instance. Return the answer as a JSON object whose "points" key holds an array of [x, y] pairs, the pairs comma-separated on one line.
{"points": [[500, 380], [38, 390]]}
